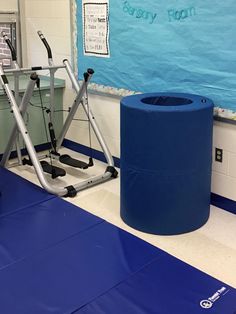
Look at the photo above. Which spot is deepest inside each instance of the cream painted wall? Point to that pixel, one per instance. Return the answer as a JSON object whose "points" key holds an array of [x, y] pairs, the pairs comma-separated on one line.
{"points": [[106, 111], [53, 18], [224, 174], [8, 5]]}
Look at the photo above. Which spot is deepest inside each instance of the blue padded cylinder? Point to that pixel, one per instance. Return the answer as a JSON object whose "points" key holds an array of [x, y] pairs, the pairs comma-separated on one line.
{"points": [[166, 155]]}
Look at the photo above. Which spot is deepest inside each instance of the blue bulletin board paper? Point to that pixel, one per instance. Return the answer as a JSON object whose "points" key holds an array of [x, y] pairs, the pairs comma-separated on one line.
{"points": [[160, 46]]}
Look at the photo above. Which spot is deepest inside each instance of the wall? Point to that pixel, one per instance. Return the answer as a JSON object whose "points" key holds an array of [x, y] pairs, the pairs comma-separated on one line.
{"points": [[55, 23], [9, 5], [53, 19], [224, 174], [107, 114]]}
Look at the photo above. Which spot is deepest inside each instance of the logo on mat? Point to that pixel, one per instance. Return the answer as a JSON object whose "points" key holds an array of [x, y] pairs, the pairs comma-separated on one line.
{"points": [[208, 303]]}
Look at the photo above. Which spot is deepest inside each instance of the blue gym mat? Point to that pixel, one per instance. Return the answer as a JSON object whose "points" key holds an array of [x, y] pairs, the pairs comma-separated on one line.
{"points": [[165, 286], [17, 193], [56, 258]]}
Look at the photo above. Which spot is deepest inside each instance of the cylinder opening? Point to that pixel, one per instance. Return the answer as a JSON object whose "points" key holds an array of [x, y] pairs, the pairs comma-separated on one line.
{"points": [[166, 101]]}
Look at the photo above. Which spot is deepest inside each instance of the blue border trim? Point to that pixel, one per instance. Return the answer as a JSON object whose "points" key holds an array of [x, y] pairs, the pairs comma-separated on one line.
{"points": [[38, 148], [223, 203], [96, 154]]}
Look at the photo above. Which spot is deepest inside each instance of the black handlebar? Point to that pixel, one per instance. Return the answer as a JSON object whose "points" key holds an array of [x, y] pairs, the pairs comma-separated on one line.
{"points": [[87, 74], [10, 46], [49, 51]]}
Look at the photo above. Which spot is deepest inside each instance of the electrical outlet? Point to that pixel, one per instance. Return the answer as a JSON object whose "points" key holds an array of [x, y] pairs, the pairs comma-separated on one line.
{"points": [[218, 154]]}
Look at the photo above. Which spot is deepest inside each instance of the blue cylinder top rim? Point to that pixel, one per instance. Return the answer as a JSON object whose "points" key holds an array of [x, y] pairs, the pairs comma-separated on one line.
{"points": [[183, 102], [166, 101]]}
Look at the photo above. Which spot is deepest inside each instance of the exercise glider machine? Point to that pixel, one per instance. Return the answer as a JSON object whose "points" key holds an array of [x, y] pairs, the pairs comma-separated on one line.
{"points": [[81, 91], [19, 109]]}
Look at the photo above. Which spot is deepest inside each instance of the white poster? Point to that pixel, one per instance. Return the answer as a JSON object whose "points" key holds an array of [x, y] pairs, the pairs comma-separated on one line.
{"points": [[96, 28]]}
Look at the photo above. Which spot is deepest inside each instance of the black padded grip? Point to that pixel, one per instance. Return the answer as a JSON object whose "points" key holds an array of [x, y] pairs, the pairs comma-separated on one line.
{"points": [[90, 71], [13, 50], [47, 47], [4, 78], [52, 136], [87, 74]]}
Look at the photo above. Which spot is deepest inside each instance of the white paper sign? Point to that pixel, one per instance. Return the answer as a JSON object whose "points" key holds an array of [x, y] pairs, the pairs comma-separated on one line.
{"points": [[96, 28]]}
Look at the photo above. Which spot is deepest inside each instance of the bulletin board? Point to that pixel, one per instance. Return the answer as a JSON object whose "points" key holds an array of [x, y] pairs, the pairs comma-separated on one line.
{"points": [[167, 45]]}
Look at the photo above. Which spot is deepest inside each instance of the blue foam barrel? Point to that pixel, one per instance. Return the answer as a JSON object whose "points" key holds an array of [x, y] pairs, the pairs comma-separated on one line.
{"points": [[166, 155]]}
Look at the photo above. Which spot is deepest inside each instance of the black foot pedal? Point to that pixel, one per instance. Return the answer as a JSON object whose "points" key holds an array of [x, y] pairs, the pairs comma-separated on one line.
{"points": [[67, 160], [53, 170]]}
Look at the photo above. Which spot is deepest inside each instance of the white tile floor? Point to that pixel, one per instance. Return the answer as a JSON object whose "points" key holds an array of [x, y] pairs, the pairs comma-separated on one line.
{"points": [[211, 248]]}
